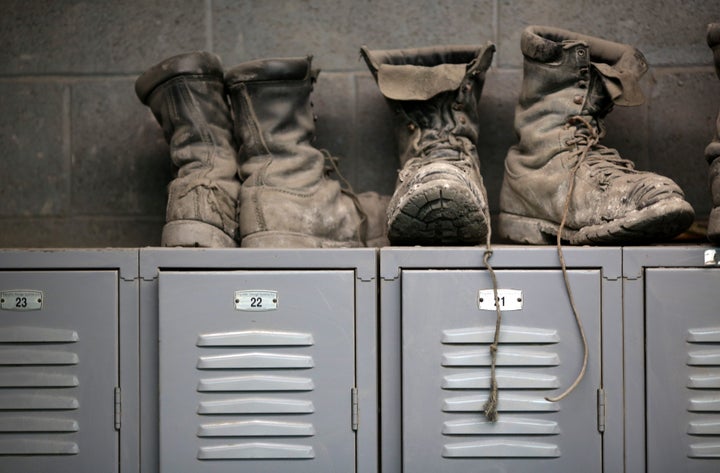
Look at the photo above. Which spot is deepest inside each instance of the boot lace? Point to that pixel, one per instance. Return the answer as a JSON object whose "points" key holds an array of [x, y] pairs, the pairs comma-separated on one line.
{"points": [[586, 139], [331, 166], [432, 146]]}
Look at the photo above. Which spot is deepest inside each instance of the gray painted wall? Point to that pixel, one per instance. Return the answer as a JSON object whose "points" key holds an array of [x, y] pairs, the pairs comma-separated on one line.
{"points": [[85, 164]]}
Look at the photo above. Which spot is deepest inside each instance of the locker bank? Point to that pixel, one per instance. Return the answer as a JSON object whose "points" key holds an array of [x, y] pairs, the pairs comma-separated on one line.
{"points": [[214, 360]]}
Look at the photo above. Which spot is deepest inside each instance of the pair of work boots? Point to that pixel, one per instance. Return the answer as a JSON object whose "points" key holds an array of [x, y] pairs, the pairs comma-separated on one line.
{"points": [[558, 178], [247, 172], [560, 183]]}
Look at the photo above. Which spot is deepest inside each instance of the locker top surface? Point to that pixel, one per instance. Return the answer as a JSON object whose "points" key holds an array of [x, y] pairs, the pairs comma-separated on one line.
{"points": [[636, 258], [362, 260], [125, 260], [393, 259]]}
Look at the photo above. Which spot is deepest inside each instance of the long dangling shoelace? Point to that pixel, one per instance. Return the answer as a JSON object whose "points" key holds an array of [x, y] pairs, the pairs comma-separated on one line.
{"points": [[585, 144], [491, 405]]}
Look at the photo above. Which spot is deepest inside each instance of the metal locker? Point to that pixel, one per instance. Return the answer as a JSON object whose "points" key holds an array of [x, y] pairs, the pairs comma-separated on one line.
{"points": [[676, 392], [61, 317], [266, 360], [438, 302]]}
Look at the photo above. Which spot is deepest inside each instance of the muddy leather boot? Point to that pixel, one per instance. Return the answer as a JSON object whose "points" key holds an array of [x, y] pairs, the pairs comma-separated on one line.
{"points": [[186, 95], [712, 152], [439, 197], [287, 199], [570, 83]]}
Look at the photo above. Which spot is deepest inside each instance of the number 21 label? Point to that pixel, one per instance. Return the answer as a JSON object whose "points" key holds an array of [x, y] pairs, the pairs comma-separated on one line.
{"points": [[256, 300], [510, 299]]}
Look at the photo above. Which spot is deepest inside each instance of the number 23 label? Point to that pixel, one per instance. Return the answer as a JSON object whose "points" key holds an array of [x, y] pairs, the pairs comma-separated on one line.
{"points": [[256, 300], [21, 300]]}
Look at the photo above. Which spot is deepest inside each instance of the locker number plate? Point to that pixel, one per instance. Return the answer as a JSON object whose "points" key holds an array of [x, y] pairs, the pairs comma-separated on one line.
{"points": [[256, 300], [21, 299], [510, 299]]}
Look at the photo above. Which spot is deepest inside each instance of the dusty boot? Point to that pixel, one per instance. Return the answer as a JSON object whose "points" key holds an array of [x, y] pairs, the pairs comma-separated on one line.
{"points": [[439, 197], [186, 95], [287, 199], [558, 168], [712, 152]]}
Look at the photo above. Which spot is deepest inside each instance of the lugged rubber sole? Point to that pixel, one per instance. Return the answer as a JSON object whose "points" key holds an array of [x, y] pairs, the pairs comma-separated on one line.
{"points": [[661, 221], [440, 212]]}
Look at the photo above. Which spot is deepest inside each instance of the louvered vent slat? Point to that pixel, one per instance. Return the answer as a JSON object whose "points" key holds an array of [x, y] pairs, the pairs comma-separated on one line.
{"points": [[524, 357], [253, 395], [38, 368], [703, 387]]}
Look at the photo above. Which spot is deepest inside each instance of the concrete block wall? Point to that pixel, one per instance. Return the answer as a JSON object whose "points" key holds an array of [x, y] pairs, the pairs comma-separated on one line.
{"points": [[85, 164]]}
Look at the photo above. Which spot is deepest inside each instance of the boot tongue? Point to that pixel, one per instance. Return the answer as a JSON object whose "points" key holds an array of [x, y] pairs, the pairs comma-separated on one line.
{"points": [[408, 82], [621, 79]]}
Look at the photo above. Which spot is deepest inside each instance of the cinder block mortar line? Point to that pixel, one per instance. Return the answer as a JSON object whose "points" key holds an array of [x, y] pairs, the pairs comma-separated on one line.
{"points": [[67, 155], [496, 29], [67, 78], [209, 25], [83, 218]]}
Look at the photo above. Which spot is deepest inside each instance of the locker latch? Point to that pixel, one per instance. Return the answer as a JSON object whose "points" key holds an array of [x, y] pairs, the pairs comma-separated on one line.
{"points": [[118, 407], [601, 409], [355, 414]]}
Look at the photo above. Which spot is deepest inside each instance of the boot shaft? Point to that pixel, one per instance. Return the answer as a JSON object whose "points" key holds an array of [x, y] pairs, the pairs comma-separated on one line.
{"points": [[565, 75], [713, 40], [186, 94], [435, 92], [178, 89], [274, 121]]}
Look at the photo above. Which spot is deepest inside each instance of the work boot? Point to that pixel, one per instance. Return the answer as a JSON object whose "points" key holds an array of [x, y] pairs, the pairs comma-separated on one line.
{"points": [[287, 199], [712, 152], [186, 94], [439, 197], [559, 169]]}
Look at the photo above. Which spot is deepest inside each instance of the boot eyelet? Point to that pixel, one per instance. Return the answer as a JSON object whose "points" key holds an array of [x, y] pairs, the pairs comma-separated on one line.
{"points": [[462, 120], [581, 53], [411, 126], [578, 99], [457, 106], [582, 84]]}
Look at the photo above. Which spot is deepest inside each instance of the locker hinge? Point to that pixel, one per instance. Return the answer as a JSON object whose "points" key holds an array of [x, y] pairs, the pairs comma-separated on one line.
{"points": [[118, 407], [355, 414], [601, 409]]}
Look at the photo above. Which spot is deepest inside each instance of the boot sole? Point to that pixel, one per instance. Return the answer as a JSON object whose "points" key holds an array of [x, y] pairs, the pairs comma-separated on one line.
{"points": [[713, 231], [273, 239], [438, 213], [193, 233], [661, 221]]}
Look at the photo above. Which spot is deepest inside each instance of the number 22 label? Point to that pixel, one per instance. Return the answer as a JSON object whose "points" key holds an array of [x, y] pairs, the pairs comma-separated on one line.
{"points": [[256, 300]]}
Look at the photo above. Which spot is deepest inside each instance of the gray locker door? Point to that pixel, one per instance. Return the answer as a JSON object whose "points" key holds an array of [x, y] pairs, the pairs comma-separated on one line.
{"points": [[257, 390], [58, 371], [446, 372], [682, 318]]}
